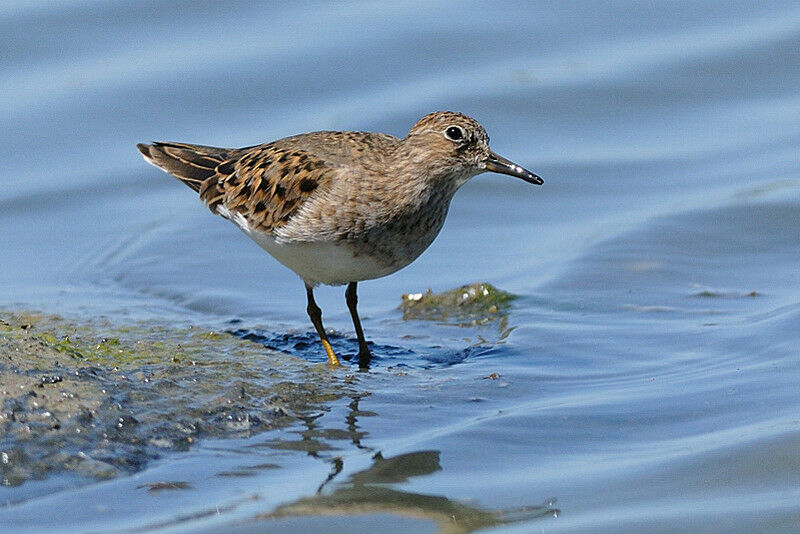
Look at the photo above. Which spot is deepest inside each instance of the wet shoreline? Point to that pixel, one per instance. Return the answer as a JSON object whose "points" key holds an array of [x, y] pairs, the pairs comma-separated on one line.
{"points": [[99, 401]]}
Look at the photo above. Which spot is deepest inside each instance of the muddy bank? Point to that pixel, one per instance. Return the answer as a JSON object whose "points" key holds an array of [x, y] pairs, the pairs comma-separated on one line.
{"points": [[96, 400]]}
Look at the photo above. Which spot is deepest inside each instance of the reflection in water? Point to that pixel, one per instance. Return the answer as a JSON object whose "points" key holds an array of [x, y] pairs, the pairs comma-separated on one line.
{"points": [[365, 493], [352, 431], [352, 419]]}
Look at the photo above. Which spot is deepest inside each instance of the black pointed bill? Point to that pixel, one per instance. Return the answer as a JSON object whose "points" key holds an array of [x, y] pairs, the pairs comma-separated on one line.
{"points": [[500, 164]]}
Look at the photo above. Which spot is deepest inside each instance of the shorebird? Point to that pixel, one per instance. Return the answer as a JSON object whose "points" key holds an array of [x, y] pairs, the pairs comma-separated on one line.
{"points": [[340, 207]]}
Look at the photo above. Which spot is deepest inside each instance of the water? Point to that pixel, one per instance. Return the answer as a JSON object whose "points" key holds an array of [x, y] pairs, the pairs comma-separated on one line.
{"points": [[648, 369]]}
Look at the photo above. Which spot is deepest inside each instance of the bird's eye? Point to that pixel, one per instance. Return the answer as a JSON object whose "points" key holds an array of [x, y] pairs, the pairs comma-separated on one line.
{"points": [[454, 133]]}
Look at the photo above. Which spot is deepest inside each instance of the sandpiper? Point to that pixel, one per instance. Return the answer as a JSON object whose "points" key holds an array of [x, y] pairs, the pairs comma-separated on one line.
{"points": [[340, 207]]}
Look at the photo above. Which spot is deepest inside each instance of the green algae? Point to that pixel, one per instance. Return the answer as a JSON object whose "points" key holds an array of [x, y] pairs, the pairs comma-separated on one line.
{"points": [[97, 341], [468, 305]]}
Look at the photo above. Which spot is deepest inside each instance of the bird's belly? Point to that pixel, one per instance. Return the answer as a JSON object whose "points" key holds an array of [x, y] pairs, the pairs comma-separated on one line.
{"points": [[337, 262], [330, 263]]}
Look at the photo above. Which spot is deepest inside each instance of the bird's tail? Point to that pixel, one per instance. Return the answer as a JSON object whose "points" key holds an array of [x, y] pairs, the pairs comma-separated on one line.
{"points": [[192, 164]]}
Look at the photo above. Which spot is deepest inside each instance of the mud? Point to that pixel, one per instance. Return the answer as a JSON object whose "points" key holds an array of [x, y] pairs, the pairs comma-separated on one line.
{"points": [[97, 400]]}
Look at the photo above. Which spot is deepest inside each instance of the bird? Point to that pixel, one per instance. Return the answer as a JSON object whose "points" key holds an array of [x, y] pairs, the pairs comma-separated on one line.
{"points": [[340, 207]]}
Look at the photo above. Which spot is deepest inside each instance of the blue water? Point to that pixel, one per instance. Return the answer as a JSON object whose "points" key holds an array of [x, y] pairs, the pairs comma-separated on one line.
{"points": [[649, 368]]}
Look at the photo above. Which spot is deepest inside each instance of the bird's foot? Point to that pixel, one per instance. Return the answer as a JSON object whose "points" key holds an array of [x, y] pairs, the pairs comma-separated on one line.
{"points": [[364, 357]]}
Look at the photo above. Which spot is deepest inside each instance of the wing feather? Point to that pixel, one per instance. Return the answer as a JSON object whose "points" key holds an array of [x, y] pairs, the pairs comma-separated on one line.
{"points": [[266, 185]]}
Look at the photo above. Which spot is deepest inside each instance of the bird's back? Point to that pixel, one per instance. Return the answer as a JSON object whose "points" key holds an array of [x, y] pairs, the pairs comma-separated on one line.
{"points": [[268, 184]]}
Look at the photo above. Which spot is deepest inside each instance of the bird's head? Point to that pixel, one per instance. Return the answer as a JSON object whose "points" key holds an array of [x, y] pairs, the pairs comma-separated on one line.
{"points": [[458, 142]]}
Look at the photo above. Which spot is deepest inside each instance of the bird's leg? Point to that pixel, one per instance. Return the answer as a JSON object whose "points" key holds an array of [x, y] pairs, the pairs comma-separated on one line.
{"points": [[316, 319], [364, 355]]}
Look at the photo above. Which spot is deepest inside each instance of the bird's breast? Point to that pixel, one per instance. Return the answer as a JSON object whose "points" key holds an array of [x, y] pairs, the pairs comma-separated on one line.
{"points": [[398, 239], [352, 234]]}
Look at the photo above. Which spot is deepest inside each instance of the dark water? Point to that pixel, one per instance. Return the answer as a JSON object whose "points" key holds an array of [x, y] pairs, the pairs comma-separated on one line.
{"points": [[648, 369]]}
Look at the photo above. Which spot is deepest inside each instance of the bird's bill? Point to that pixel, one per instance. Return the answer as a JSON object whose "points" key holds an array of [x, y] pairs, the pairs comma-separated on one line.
{"points": [[500, 164]]}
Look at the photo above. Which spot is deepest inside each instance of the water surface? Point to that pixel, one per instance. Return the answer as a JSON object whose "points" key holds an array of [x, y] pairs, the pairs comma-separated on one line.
{"points": [[647, 369]]}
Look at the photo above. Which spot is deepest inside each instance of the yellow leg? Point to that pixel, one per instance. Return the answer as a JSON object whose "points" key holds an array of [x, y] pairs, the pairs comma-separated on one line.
{"points": [[316, 319], [332, 359]]}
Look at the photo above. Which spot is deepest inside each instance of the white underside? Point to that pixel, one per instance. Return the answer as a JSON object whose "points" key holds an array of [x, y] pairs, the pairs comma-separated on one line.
{"points": [[315, 262]]}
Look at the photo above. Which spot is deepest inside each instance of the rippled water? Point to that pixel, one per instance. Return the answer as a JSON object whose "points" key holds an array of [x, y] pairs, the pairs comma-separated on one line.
{"points": [[648, 370]]}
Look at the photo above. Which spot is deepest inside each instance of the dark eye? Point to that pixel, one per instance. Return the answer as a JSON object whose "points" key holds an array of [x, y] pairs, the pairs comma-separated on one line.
{"points": [[454, 133]]}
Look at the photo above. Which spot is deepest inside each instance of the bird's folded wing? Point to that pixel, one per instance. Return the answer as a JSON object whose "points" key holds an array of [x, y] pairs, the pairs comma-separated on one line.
{"points": [[265, 184]]}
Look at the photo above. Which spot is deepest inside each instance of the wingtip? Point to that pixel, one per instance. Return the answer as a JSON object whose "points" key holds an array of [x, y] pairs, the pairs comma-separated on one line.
{"points": [[149, 156]]}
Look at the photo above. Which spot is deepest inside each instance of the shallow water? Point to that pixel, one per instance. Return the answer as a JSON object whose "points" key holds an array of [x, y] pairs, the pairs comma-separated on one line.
{"points": [[648, 369]]}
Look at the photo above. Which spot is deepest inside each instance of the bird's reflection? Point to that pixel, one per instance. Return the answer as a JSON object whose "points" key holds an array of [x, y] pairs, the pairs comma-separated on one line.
{"points": [[370, 491], [367, 492]]}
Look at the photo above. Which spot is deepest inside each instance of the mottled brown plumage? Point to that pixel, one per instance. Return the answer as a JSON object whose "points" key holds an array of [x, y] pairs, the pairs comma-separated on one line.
{"points": [[340, 207]]}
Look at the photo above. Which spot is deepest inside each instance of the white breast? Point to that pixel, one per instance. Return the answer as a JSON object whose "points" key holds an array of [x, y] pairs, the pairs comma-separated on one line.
{"points": [[323, 262], [316, 262]]}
